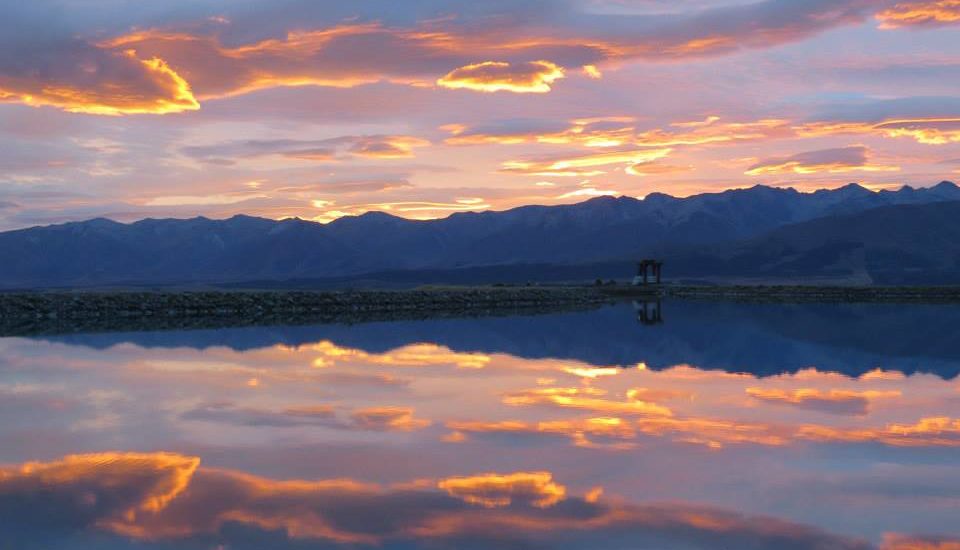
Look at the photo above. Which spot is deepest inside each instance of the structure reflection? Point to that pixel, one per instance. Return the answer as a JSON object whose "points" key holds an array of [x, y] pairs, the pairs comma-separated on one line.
{"points": [[649, 312]]}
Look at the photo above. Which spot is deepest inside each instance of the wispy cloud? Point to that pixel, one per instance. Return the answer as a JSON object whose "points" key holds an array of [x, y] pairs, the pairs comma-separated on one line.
{"points": [[834, 161], [921, 13]]}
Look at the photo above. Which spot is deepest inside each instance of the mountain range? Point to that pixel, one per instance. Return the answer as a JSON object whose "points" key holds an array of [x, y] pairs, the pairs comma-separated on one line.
{"points": [[850, 234]]}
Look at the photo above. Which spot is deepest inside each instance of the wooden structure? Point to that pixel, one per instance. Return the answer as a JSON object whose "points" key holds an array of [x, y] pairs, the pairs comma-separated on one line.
{"points": [[647, 268]]}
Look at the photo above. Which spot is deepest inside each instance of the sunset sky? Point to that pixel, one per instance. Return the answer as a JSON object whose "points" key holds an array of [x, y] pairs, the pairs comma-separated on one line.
{"points": [[421, 108]]}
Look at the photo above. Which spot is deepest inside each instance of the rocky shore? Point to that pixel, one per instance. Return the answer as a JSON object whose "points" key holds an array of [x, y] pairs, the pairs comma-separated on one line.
{"points": [[47, 312]]}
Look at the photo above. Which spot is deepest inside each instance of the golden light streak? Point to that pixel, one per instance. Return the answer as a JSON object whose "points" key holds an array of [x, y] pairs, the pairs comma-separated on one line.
{"points": [[652, 168], [588, 192], [709, 132], [588, 399], [203, 200], [619, 131], [620, 434], [497, 490], [928, 131], [494, 76], [927, 432], [414, 355], [581, 165], [797, 167], [591, 372]]}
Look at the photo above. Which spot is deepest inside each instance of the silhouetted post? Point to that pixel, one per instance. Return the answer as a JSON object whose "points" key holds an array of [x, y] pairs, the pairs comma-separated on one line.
{"points": [[656, 270]]}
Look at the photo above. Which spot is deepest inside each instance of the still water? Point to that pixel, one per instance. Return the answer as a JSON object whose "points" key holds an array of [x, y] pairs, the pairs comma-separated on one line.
{"points": [[723, 426]]}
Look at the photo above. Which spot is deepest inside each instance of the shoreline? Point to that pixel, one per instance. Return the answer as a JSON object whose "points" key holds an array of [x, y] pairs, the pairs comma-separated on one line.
{"points": [[36, 313], [60, 312], [801, 293]]}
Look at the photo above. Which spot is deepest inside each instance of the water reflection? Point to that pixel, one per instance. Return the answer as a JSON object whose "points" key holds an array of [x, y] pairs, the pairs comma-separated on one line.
{"points": [[581, 430], [756, 338]]}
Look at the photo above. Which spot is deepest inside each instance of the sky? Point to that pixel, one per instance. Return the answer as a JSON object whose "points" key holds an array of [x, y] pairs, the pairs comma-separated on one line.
{"points": [[319, 109]]}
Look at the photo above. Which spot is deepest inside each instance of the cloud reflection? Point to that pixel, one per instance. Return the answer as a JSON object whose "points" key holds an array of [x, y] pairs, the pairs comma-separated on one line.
{"points": [[164, 497]]}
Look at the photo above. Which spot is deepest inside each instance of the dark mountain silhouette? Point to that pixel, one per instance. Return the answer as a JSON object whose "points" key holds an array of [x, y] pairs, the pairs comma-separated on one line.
{"points": [[602, 235], [892, 245]]}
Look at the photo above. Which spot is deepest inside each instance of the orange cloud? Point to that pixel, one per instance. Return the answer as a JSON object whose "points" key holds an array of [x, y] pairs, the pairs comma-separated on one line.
{"points": [[399, 419], [160, 70], [151, 482], [836, 401], [378, 146], [834, 161], [602, 432], [700, 46], [387, 147], [908, 14], [303, 58], [492, 76], [109, 83], [495, 490], [591, 71]]}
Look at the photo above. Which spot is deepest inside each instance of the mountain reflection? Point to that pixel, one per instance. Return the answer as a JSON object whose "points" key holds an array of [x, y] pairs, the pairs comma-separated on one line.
{"points": [[762, 339]]}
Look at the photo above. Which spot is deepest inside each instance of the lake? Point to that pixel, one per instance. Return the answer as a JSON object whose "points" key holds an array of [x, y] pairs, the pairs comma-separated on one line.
{"points": [[673, 425]]}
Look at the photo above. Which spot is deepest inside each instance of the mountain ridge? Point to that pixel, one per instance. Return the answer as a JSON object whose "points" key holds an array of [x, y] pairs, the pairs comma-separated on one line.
{"points": [[243, 248]]}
